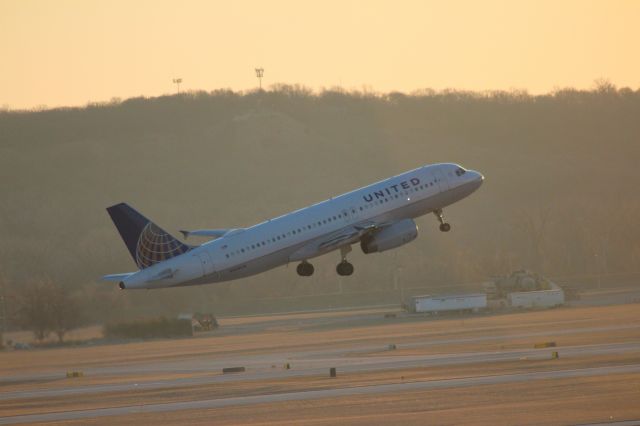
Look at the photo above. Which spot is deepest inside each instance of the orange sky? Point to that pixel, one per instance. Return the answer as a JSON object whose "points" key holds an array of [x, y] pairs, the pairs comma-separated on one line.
{"points": [[70, 52]]}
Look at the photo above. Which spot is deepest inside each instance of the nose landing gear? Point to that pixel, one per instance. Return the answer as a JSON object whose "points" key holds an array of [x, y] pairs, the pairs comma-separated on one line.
{"points": [[444, 226]]}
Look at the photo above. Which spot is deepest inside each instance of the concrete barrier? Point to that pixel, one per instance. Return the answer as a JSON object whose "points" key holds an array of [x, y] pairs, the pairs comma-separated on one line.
{"points": [[71, 374], [555, 355], [545, 345], [332, 372], [233, 370]]}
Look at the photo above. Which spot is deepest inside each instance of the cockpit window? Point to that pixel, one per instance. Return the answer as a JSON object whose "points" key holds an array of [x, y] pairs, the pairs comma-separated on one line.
{"points": [[460, 171]]}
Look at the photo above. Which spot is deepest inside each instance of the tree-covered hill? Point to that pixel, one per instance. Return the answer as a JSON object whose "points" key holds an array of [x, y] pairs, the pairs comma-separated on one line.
{"points": [[561, 191]]}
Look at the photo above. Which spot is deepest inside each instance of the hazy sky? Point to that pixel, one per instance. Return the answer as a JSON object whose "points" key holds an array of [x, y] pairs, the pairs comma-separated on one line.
{"points": [[69, 52]]}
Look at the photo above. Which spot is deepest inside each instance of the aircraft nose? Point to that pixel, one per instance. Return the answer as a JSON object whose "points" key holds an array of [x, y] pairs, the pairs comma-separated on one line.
{"points": [[477, 178]]}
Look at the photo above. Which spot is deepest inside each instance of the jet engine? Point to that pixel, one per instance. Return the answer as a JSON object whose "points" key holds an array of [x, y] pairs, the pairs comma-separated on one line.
{"points": [[393, 236]]}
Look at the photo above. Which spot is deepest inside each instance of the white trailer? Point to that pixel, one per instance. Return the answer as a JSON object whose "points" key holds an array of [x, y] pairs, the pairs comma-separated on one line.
{"points": [[456, 302], [537, 299]]}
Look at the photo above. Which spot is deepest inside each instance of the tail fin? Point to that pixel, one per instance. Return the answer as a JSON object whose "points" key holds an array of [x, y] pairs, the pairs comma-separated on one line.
{"points": [[147, 242]]}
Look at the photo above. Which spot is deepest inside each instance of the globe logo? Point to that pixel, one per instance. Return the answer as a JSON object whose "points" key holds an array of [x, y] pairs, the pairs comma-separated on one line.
{"points": [[155, 245]]}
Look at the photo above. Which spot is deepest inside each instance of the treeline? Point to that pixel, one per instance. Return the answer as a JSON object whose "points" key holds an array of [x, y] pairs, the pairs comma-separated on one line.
{"points": [[560, 195]]}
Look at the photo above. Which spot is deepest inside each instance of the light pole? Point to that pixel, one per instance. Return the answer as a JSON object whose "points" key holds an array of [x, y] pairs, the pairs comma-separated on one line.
{"points": [[177, 82], [3, 314], [259, 74]]}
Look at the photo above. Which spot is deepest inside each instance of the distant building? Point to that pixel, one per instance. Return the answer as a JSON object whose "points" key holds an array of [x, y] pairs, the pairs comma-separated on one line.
{"points": [[456, 302]]}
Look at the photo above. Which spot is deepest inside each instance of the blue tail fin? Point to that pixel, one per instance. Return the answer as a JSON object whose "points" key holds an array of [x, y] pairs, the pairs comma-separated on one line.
{"points": [[147, 242]]}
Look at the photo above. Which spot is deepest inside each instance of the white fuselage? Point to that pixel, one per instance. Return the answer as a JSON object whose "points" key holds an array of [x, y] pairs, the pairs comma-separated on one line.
{"points": [[293, 236]]}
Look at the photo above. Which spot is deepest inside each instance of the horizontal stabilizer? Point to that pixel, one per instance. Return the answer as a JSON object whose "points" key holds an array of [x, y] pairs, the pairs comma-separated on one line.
{"points": [[117, 277]]}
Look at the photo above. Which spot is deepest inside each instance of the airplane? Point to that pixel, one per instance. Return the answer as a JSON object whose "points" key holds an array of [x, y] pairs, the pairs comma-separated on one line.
{"points": [[379, 217]]}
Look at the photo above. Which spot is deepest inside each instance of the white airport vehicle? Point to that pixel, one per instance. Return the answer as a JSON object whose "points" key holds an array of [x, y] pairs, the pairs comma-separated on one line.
{"points": [[454, 302], [379, 217], [537, 299]]}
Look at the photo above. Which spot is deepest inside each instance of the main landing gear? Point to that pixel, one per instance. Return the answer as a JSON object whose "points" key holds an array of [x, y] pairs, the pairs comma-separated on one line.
{"points": [[305, 269], [344, 268], [444, 226]]}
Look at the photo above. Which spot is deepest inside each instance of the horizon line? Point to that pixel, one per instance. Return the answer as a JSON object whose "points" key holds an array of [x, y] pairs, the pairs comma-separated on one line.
{"points": [[599, 85]]}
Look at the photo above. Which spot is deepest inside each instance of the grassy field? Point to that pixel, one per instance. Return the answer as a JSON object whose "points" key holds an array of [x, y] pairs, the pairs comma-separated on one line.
{"points": [[551, 322], [553, 401]]}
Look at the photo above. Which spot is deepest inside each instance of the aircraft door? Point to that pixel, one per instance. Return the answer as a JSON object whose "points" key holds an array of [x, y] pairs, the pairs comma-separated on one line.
{"points": [[441, 180], [205, 261]]}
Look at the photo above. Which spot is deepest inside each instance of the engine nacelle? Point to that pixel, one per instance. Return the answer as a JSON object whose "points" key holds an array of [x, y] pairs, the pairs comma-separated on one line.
{"points": [[393, 236]]}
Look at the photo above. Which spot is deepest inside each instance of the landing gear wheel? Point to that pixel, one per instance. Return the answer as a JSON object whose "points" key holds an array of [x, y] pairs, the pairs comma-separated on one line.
{"points": [[445, 227], [305, 269], [344, 268]]}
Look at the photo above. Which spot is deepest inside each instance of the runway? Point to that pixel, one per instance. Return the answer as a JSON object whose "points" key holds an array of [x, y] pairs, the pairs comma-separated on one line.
{"points": [[344, 358], [313, 363], [330, 393]]}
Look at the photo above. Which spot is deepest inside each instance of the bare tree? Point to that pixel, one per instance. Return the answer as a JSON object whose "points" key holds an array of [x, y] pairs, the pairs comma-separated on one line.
{"points": [[34, 309], [44, 307], [65, 313], [533, 225]]}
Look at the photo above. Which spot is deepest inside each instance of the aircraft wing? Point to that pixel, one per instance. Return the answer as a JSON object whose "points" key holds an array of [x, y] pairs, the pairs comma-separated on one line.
{"points": [[346, 236], [213, 233]]}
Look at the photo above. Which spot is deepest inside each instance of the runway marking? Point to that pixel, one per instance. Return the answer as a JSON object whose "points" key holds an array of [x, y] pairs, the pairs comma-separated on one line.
{"points": [[319, 394]]}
